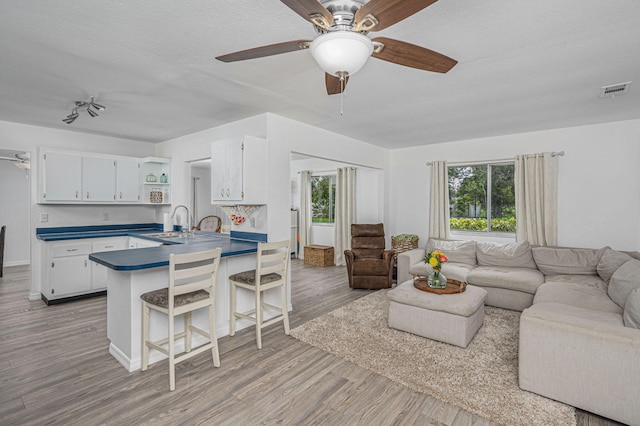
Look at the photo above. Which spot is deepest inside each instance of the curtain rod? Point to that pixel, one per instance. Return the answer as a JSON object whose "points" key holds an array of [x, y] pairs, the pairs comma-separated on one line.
{"points": [[328, 171], [500, 160]]}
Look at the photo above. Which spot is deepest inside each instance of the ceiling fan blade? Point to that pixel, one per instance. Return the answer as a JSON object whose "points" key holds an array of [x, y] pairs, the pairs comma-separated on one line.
{"points": [[312, 11], [334, 85], [410, 55], [269, 50], [389, 12]]}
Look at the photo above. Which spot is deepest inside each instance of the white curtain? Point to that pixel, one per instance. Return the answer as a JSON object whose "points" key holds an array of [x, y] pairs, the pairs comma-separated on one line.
{"points": [[345, 211], [536, 187], [305, 211], [439, 201]]}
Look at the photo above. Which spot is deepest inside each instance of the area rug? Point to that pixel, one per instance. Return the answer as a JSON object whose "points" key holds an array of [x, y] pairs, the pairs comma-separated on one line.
{"points": [[483, 378]]}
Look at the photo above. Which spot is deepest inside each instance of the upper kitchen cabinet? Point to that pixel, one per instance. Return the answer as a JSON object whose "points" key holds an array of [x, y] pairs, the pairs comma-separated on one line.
{"points": [[127, 180], [239, 171], [98, 179], [87, 178], [61, 177]]}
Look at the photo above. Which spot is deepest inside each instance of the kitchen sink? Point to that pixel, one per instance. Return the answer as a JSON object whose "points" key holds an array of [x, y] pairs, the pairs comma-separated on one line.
{"points": [[165, 235]]}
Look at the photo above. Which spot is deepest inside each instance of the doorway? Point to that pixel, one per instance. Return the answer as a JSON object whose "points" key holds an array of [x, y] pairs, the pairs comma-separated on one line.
{"points": [[200, 190], [15, 193]]}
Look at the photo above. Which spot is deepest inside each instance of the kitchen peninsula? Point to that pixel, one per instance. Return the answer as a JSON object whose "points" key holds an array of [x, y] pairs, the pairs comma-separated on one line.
{"points": [[133, 272]]}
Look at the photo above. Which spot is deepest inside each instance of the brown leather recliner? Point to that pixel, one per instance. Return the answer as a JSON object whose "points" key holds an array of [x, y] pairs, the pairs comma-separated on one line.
{"points": [[369, 265]]}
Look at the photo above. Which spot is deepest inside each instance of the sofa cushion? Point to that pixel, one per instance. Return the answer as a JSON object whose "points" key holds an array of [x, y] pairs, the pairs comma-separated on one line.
{"points": [[519, 279], [587, 280], [453, 270], [610, 261], [456, 250], [624, 281], [576, 294], [567, 261], [632, 309], [516, 255]]}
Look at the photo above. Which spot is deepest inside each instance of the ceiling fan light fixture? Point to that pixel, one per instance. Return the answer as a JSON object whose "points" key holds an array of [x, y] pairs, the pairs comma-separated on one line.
{"points": [[341, 52]]}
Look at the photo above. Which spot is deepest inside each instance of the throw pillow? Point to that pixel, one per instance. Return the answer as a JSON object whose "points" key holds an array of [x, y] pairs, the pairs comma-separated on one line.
{"points": [[456, 250], [567, 261], [610, 261], [632, 310], [515, 255], [624, 281]]}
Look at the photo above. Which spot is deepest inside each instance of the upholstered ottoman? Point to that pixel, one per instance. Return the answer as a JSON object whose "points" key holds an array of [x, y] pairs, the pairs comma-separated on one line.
{"points": [[449, 318]]}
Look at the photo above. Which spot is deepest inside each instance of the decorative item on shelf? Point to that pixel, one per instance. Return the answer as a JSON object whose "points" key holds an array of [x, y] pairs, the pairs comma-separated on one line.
{"points": [[240, 213], [151, 178], [155, 195], [236, 219], [435, 259], [164, 178]]}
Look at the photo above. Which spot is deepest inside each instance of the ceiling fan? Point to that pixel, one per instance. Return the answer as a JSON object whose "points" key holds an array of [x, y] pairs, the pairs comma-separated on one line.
{"points": [[342, 46], [22, 161]]}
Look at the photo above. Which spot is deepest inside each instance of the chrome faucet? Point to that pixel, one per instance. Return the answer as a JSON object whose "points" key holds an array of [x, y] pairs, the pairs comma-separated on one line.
{"points": [[188, 217]]}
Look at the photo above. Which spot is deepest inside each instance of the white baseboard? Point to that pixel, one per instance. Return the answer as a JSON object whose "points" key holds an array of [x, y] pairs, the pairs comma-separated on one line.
{"points": [[16, 263]]}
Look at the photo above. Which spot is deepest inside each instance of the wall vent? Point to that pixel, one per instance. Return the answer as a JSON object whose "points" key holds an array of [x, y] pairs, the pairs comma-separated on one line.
{"points": [[615, 90]]}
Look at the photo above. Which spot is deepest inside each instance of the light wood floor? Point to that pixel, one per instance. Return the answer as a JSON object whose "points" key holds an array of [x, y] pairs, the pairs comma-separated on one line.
{"points": [[55, 369]]}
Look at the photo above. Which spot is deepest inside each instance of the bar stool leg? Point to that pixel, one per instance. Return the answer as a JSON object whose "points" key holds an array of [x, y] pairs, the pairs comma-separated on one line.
{"points": [[145, 336], [258, 319], [215, 350], [232, 315]]}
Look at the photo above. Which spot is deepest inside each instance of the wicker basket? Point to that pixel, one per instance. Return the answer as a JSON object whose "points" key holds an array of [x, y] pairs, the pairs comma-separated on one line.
{"points": [[403, 242], [318, 255]]}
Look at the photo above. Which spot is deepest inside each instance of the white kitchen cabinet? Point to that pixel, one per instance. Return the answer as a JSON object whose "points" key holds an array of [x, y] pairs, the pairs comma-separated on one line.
{"points": [[69, 271], [98, 179], [127, 180], [86, 178], [239, 171], [61, 177], [98, 271]]}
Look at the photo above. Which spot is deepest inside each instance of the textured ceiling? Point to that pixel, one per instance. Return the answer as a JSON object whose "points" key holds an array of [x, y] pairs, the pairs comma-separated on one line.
{"points": [[523, 66]]}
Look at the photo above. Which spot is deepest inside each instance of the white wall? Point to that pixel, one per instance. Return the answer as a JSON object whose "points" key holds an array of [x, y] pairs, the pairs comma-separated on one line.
{"points": [[283, 137], [598, 196], [14, 213], [21, 137], [369, 206]]}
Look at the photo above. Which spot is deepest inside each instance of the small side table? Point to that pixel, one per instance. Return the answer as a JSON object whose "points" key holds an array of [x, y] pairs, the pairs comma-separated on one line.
{"points": [[318, 255]]}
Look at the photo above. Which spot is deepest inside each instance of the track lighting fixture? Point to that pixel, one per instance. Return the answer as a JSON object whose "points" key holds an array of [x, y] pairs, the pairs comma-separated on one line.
{"points": [[80, 104]]}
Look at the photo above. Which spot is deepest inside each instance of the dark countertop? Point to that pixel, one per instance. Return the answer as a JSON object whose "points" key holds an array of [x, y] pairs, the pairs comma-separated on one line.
{"points": [[238, 243], [153, 257]]}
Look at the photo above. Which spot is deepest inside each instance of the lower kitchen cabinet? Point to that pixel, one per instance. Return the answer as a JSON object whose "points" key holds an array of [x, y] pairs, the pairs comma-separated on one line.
{"points": [[68, 272]]}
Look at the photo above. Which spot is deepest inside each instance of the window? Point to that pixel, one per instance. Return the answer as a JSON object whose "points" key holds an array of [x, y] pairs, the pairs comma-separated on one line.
{"points": [[323, 195], [473, 188]]}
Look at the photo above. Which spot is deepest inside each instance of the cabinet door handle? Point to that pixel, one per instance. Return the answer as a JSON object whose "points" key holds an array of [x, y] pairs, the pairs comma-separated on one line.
{"points": [[121, 195], [108, 246], [87, 195], [85, 263], [76, 194], [222, 192], [70, 250], [227, 192]]}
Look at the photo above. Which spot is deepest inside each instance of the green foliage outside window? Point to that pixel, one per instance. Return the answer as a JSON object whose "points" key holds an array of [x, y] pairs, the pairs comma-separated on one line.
{"points": [[473, 188], [323, 193]]}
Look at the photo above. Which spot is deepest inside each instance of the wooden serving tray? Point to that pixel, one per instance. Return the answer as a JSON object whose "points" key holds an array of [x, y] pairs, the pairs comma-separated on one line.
{"points": [[453, 286]]}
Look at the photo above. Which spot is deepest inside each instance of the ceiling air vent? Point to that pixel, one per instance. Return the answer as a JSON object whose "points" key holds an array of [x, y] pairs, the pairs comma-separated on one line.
{"points": [[615, 90]]}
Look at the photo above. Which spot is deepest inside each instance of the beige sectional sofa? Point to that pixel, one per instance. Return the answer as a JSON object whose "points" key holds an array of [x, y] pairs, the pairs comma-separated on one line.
{"points": [[580, 322]]}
